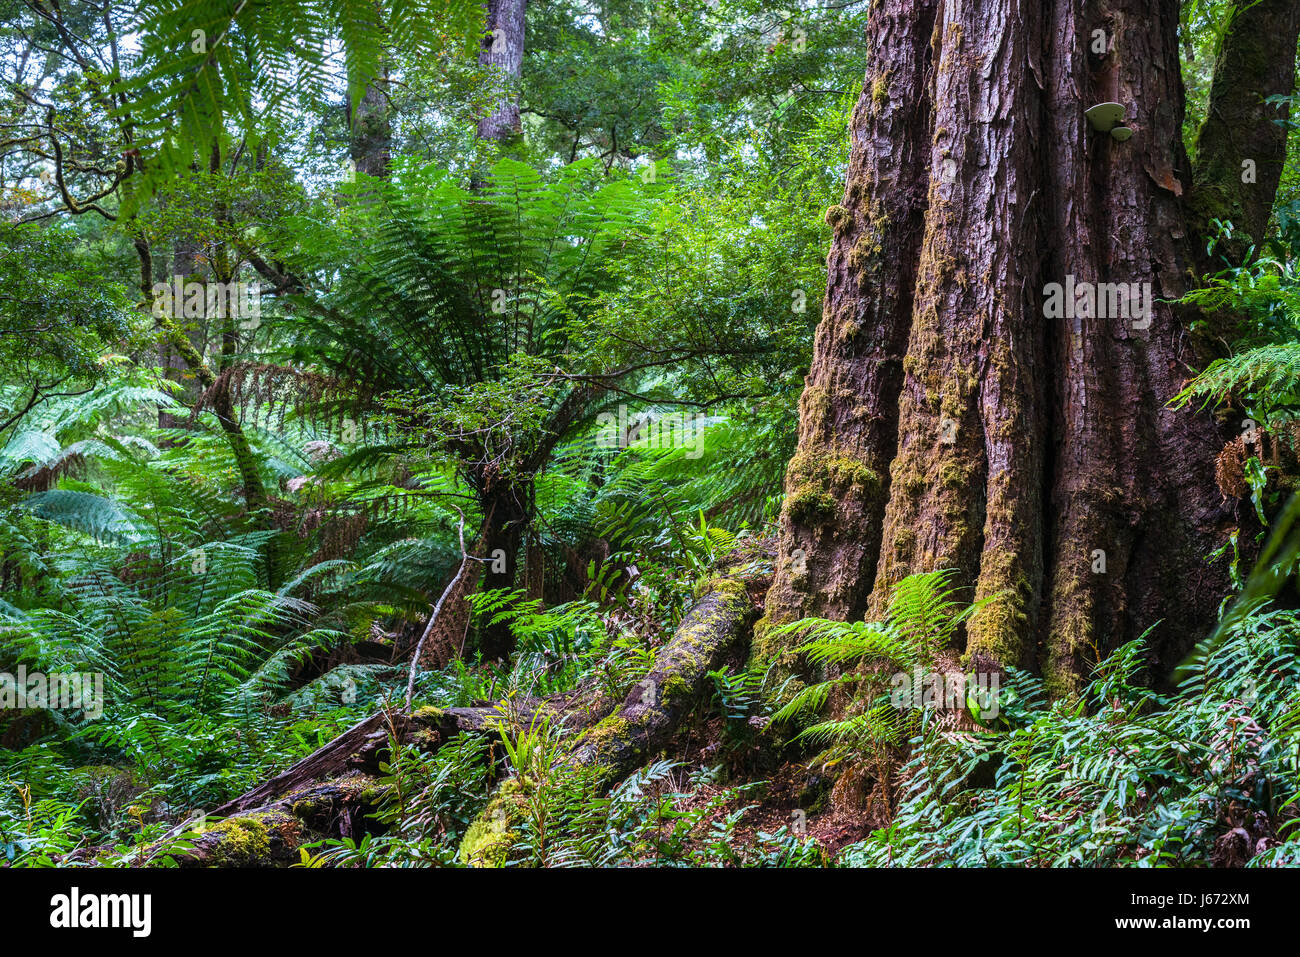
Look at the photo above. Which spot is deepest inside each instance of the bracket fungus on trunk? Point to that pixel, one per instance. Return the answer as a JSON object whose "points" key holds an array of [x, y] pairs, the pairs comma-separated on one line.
{"points": [[1108, 118]]}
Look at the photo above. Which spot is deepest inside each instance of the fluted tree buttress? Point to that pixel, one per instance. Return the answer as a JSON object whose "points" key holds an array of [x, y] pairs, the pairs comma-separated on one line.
{"points": [[1000, 338]]}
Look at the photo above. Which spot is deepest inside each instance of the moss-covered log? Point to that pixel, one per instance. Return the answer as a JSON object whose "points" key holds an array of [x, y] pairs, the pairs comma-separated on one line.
{"points": [[272, 836], [719, 623], [330, 792], [362, 746], [656, 705]]}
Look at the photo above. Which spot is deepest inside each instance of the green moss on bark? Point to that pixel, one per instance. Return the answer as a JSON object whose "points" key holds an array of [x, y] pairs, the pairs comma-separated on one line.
{"points": [[491, 838]]}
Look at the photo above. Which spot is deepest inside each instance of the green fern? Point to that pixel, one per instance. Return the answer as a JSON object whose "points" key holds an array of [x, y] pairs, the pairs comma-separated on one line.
{"points": [[1268, 372], [203, 63], [923, 616]]}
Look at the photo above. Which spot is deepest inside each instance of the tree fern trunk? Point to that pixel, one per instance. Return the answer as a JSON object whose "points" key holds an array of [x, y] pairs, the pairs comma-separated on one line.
{"points": [[507, 508]]}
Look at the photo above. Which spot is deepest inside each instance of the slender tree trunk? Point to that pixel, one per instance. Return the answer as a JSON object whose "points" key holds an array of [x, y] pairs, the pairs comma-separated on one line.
{"points": [[507, 508], [174, 339], [503, 50], [1241, 146], [184, 264], [1026, 441]]}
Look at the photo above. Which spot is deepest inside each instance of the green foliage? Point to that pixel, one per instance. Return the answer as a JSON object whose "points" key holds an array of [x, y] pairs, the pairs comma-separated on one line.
{"points": [[56, 318], [242, 524], [923, 615], [555, 646], [1260, 375], [450, 327], [1123, 777], [205, 64]]}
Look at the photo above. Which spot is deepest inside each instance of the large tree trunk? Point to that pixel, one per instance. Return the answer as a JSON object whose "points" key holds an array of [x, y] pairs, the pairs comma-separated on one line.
{"points": [[965, 488], [503, 51], [838, 483], [371, 131], [954, 416]]}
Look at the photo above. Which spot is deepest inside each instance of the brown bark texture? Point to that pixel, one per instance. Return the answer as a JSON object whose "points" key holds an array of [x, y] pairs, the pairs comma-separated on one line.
{"points": [[503, 50], [998, 346]]}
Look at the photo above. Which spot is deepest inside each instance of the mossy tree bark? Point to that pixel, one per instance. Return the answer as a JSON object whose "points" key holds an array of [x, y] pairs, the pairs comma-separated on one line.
{"points": [[1128, 544], [1241, 145], [1026, 442], [969, 457], [503, 49], [836, 488], [371, 127]]}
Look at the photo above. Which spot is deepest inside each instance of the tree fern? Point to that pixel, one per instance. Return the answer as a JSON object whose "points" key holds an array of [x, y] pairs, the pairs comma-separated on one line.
{"points": [[205, 63], [1266, 374]]}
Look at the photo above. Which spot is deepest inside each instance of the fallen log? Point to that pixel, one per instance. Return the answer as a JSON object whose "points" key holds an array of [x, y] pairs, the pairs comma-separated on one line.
{"points": [[645, 721], [656, 706], [357, 748], [365, 744], [272, 836], [331, 791]]}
